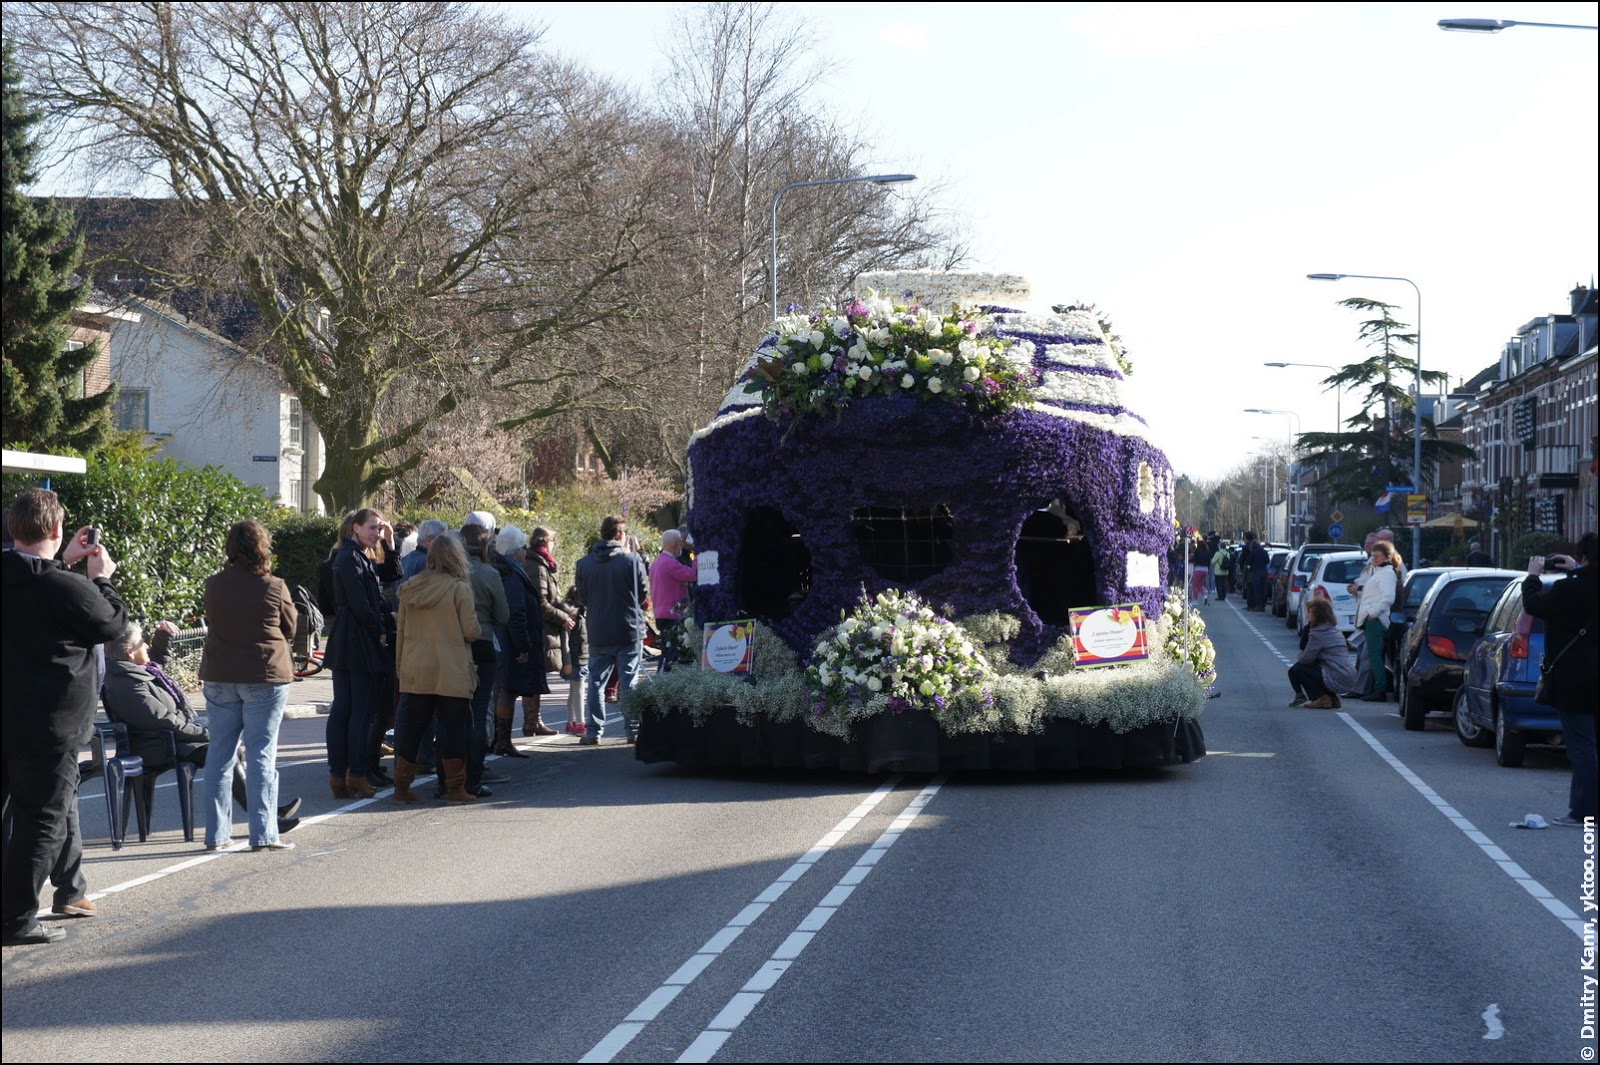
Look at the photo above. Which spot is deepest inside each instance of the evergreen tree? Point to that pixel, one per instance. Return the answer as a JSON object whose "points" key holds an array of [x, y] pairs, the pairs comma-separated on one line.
{"points": [[1372, 450], [43, 405]]}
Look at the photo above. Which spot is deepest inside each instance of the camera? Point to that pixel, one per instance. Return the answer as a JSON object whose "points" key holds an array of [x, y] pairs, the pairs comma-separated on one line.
{"points": [[92, 537], [1554, 562]]}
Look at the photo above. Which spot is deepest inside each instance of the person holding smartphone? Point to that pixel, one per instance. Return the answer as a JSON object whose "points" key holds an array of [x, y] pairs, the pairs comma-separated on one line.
{"points": [[54, 619], [1568, 608]]}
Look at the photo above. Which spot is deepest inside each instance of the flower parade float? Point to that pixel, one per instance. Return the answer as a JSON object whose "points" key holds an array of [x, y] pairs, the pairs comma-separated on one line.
{"points": [[926, 525]]}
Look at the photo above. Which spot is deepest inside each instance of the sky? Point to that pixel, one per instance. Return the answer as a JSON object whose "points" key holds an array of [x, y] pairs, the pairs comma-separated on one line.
{"points": [[1184, 166]]}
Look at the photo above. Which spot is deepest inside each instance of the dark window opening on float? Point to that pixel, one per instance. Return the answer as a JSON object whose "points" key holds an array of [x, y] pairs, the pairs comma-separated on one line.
{"points": [[904, 545], [774, 566], [1055, 568]]}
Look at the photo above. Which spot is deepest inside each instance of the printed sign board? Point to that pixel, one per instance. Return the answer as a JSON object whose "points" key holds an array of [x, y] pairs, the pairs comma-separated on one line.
{"points": [[1108, 635], [729, 647]]}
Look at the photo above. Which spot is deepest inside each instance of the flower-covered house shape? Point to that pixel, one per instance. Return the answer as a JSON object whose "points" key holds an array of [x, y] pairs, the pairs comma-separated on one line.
{"points": [[1061, 502]]}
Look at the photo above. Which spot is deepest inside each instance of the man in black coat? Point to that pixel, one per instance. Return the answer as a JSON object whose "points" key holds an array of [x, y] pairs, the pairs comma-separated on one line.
{"points": [[612, 588], [1571, 644], [1255, 560], [53, 620]]}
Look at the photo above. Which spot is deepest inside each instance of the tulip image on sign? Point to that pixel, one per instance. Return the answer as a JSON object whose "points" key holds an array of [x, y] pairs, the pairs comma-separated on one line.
{"points": [[729, 647], [1107, 635]]}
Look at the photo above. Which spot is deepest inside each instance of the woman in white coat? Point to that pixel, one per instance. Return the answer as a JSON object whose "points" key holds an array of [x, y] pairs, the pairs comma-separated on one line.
{"points": [[1372, 612]]}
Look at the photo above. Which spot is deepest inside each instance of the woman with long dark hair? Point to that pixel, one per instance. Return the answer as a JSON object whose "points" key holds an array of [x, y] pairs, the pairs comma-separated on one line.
{"points": [[554, 614], [360, 650]]}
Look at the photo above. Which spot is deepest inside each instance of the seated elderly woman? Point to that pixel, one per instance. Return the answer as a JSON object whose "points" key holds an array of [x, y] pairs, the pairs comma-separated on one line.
{"points": [[138, 693]]}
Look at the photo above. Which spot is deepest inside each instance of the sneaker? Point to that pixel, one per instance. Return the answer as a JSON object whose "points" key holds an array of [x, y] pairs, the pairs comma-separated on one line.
{"points": [[589, 740], [1564, 821], [1298, 700], [81, 908], [275, 845], [35, 934]]}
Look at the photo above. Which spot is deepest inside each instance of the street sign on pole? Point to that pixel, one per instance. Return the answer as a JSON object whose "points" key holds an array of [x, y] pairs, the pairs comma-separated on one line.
{"points": [[1336, 517], [1336, 531], [1416, 509]]}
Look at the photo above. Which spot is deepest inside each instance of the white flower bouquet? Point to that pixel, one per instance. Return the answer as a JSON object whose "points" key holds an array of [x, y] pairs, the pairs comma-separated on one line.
{"points": [[825, 360], [892, 653]]}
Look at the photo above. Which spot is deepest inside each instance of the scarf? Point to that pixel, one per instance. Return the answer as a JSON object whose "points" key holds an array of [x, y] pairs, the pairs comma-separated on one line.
{"points": [[167, 685], [549, 559]]}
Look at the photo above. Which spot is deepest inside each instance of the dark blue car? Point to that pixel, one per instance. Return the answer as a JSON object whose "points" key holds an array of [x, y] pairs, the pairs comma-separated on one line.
{"points": [[1433, 652], [1495, 702]]}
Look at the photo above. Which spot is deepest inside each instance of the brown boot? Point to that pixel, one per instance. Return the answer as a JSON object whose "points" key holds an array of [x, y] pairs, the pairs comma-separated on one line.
{"points": [[404, 773], [340, 789], [533, 724], [502, 736], [359, 788], [1324, 702], [455, 779]]}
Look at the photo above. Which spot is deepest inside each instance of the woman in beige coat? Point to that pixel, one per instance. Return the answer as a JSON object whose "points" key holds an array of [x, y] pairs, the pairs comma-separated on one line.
{"points": [[437, 624]]}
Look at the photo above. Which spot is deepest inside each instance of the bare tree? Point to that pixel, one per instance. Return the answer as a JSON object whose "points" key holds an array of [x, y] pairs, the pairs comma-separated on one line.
{"points": [[740, 125], [376, 179]]}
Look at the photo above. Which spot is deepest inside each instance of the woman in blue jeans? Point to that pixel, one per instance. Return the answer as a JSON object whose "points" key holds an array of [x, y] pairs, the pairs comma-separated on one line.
{"points": [[246, 668]]}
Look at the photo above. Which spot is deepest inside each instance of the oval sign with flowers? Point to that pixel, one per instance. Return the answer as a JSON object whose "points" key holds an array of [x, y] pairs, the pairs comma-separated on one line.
{"points": [[869, 346]]}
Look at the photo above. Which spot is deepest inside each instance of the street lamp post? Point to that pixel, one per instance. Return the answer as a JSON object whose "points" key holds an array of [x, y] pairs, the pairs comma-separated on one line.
{"points": [[1416, 443], [1338, 393], [1289, 486], [876, 179], [1495, 25]]}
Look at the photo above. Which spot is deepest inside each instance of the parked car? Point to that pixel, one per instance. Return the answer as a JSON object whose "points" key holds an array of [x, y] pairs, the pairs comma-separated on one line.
{"points": [[1494, 705], [1330, 580], [1407, 601], [1433, 654], [1301, 564], [1278, 581]]}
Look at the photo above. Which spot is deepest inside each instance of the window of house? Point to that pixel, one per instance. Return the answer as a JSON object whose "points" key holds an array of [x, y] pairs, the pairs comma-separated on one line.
{"points": [[297, 424], [130, 411], [904, 545]]}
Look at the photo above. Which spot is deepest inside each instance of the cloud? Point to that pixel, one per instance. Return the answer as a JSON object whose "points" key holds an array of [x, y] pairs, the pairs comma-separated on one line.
{"points": [[906, 36]]}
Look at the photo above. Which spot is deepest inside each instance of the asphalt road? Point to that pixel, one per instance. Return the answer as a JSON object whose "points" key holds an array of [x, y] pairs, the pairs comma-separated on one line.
{"points": [[1323, 886]]}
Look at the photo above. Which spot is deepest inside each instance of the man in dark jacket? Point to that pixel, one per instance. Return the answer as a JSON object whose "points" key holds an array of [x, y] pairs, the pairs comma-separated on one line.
{"points": [[613, 588], [1255, 561], [53, 620], [1571, 643]]}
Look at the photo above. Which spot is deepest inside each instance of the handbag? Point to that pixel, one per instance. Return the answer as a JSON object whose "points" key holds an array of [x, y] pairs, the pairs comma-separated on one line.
{"points": [[1541, 692]]}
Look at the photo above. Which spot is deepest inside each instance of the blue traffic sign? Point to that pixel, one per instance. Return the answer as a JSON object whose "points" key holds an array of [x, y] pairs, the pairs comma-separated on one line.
{"points": [[1335, 531]]}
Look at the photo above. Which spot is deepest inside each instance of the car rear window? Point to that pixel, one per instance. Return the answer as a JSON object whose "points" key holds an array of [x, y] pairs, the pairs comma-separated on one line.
{"points": [[1466, 599], [1308, 561], [1417, 590], [1343, 571]]}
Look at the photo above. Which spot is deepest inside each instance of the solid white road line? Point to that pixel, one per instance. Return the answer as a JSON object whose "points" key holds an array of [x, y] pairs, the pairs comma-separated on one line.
{"points": [[623, 1034], [708, 1042], [1468, 829]]}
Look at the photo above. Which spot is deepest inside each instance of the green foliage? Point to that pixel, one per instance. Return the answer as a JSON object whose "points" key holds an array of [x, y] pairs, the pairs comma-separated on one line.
{"points": [[300, 542], [42, 410], [1171, 685], [164, 524], [1529, 544]]}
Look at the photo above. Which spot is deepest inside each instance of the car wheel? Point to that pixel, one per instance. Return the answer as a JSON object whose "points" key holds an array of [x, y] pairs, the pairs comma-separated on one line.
{"points": [[1466, 731], [1412, 710], [1508, 745]]}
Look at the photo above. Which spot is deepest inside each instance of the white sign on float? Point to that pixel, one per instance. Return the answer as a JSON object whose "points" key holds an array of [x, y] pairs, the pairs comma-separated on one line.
{"points": [[706, 571], [1144, 570]]}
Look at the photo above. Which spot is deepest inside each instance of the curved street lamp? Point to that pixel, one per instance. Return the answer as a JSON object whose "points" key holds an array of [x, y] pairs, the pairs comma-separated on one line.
{"points": [[1416, 443], [876, 179]]}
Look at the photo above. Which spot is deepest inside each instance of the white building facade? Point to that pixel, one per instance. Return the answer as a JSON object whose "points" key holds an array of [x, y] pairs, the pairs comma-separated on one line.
{"points": [[210, 403]]}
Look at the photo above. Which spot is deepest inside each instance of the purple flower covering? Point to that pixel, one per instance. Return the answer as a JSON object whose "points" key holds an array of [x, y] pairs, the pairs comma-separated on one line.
{"points": [[991, 473]]}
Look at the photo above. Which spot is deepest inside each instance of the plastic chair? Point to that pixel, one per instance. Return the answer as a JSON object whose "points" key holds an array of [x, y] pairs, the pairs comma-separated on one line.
{"points": [[119, 771], [186, 776]]}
